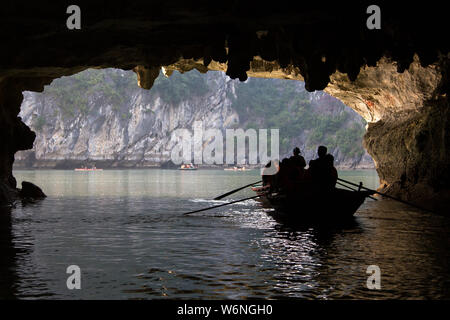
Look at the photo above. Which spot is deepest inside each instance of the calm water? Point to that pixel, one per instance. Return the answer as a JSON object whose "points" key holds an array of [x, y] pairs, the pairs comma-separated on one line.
{"points": [[126, 231]]}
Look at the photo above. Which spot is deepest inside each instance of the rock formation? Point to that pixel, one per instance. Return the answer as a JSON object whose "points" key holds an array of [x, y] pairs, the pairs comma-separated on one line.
{"points": [[117, 124], [373, 71], [135, 133], [31, 191]]}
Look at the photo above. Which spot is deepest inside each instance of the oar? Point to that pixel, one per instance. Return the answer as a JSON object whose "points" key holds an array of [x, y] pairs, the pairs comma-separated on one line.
{"points": [[221, 205], [387, 196], [235, 190], [341, 184]]}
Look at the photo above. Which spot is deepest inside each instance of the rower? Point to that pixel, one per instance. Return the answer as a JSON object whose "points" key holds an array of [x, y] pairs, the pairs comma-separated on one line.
{"points": [[297, 160], [319, 168], [270, 174], [288, 176], [298, 163], [320, 161], [331, 174]]}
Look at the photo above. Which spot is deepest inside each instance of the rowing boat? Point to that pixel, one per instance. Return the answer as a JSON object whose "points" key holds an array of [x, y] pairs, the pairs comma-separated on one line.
{"points": [[334, 205]]}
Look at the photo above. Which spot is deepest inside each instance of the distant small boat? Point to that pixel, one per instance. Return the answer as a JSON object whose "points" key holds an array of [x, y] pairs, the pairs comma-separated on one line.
{"points": [[236, 169], [88, 169], [189, 166]]}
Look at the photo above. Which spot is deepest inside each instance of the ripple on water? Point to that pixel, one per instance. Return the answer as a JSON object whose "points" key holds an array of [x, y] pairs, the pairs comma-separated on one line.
{"points": [[140, 247]]}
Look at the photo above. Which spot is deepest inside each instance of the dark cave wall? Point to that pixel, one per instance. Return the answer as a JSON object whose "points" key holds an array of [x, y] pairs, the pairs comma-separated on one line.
{"points": [[14, 135], [412, 155]]}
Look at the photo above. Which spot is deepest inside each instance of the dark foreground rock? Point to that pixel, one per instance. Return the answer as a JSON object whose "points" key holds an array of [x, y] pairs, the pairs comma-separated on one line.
{"points": [[31, 191]]}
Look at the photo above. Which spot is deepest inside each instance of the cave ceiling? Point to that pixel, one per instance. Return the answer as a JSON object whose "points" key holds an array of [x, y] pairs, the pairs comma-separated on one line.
{"points": [[293, 40]]}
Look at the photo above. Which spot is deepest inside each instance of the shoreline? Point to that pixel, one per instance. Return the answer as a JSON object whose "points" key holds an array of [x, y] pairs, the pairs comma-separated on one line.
{"points": [[172, 169]]}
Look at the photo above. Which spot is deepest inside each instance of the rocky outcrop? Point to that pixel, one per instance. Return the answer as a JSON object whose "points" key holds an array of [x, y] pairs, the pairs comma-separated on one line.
{"points": [[314, 41], [30, 191], [412, 154], [408, 131], [15, 136]]}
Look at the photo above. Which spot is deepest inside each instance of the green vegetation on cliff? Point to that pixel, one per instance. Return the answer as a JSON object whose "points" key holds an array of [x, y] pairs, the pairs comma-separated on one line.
{"points": [[260, 103], [73, 93], [113, 86], [284, 104], [180, 87]]}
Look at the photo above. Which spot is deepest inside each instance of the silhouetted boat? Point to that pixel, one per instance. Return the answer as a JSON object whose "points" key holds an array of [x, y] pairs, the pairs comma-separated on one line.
{"points": [[323, 207]]}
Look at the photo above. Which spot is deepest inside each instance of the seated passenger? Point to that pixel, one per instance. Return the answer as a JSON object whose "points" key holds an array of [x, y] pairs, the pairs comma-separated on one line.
{"points": [[289, 176], [297, 159], [269, 174], [322, 170], [331, 174], [319, 163], [299, 163]]}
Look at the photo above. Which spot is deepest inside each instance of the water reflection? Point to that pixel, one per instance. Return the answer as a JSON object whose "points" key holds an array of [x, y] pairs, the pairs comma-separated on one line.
{"points": [[126, 232], [8, 253], [204, 184]]}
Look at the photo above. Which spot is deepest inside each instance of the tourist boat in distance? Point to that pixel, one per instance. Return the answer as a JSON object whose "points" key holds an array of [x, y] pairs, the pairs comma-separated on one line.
{"points": [[88, 169], [237, 169], [312, 206], [188, 166]]}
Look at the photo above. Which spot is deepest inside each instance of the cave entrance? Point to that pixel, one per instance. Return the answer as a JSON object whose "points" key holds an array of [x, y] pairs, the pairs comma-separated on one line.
{"points": [[100, 117], [402, 127]]}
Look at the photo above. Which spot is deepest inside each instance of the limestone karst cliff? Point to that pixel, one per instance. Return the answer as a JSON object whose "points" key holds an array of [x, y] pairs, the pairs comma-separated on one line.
{"points": [[116, 125], [103, 118]]}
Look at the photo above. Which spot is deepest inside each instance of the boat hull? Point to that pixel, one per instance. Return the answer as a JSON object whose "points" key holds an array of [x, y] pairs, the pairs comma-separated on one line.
{"points": [[332, 206]]}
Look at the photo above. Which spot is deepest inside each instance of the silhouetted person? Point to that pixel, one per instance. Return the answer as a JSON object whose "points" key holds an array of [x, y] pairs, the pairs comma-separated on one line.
{"points": [[283, 175], [266, 177], [297, 159], [267, 173], [320, 161], [318, 168], [289, 175], [330, 174], [298, 163], [270, 174]]}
